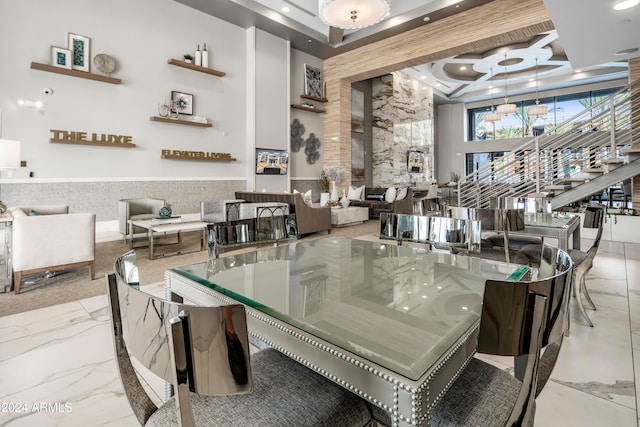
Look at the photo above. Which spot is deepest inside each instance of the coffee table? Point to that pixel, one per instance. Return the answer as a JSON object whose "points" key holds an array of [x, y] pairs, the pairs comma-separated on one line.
{"points": [[350, 215], [187, 223]]}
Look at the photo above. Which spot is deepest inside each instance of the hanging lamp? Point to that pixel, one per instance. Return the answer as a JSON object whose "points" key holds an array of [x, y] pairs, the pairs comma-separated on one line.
{"points": [[537, 110], [492, 116], [506, 108], [353, 14]]}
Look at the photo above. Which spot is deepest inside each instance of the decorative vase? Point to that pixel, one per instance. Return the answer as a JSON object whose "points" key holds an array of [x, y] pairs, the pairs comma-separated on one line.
{"points": [[163, 110], [344, 201], [324, 198], [334, 191]]}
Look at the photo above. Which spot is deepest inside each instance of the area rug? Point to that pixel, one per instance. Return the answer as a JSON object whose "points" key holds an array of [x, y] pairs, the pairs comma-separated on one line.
{"points": [[39, 291]]}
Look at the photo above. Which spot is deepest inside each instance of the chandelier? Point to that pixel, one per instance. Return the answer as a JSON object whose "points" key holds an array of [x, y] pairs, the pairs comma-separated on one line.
{"points": [[352, 14], [506, 108], [537, 110], [492, 116]]}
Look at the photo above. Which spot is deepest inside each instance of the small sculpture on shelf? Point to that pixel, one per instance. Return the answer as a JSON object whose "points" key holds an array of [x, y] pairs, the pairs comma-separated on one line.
{"points": [[164, 109]]}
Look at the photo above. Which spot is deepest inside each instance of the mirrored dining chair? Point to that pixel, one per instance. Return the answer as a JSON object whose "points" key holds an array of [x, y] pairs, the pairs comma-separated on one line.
{"points": [[517, 319], [203, 352], [582, 261]]}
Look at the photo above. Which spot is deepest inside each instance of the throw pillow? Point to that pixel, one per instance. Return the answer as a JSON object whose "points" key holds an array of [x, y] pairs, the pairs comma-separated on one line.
{"points": [[390, 194], [401, 193], [307, 198], [354, 193], [362, 192]]}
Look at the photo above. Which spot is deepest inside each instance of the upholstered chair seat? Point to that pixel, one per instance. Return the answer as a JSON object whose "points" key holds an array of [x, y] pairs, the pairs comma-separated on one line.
{"points": [[482, 392], [285, 393], [515, 241]]}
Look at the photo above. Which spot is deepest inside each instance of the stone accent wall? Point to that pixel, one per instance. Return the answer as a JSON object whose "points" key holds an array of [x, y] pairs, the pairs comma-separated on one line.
{"points": [[102, 198], [402, 120]]}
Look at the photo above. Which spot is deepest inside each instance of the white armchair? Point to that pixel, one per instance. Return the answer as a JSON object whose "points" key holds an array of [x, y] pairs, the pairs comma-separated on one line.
{"points": [[220, 210], [131, 209], [48, 238]]}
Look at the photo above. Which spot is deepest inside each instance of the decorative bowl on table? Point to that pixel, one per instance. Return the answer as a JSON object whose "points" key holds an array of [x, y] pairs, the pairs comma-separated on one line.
{"points": [[165, 212]]}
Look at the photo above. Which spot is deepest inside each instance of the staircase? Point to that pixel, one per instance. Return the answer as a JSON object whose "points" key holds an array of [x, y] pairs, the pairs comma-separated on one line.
{"points": [[580, 157]]}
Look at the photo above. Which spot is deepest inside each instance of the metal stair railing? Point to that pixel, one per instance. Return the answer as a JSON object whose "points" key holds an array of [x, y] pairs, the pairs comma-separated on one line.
{"points": [[590, 139]]}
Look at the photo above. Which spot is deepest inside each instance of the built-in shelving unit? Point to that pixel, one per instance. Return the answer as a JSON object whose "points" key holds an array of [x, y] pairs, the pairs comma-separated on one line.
{"points": [[310, 107], [75, 73], [179, 122], [95, 143], [195, 67]]}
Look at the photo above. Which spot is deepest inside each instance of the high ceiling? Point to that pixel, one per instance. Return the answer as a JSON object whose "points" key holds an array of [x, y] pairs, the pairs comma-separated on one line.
{"points": [[591, 43]]}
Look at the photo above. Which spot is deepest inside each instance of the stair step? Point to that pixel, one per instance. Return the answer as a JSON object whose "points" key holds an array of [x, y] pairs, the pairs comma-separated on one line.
{"points": [[574, 179], [633, 153], [594, 170], [538, 194], [613, 161], [557, 187]]}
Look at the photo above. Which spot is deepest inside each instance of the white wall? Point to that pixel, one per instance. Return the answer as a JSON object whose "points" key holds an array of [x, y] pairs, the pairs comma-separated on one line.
{"points": [[142, 35], [271, 76], [313, 122]]}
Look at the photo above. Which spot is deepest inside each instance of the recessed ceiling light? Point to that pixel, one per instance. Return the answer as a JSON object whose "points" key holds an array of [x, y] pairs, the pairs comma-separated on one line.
{"points": [[490, 86], [626, 51], [463, 68], [578, 71], [423, 77], [285, 9], [309, 40], [426, 19], [531, 79], [625, 4]]}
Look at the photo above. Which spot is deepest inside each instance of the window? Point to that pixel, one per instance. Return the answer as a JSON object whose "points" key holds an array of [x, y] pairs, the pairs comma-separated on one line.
{"points": [[517, 125]]}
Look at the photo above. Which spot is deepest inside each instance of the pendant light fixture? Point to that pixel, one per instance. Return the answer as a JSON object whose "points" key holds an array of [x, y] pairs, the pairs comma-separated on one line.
{"points": [[352, 14], [506, 108], [492, 116], [537, 110]]}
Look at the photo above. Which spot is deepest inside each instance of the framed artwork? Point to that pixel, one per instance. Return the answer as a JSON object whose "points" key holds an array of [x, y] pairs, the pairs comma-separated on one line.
{"points": [[312, 81], [182, 102], [60, 57], [357, 111], [80, 51], [415, 162]]}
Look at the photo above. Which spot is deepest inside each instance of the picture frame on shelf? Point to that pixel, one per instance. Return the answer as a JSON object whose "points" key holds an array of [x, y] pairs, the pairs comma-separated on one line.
{"points": [[312, 81], [182, 102], [80, 47], [61, 57]]}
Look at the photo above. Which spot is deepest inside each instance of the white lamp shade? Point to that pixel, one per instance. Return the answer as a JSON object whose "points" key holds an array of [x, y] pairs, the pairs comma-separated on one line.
{"points": [[537, 111], [9, 154], [506, 109], [341, 13], [492, 117]]}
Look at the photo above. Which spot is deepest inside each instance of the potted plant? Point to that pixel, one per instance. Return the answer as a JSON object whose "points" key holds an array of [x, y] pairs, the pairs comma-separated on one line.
{"points": [[455, 177], [324, 188], [188, 58]]}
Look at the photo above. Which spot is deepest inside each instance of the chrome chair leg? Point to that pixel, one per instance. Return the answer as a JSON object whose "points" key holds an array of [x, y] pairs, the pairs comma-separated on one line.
{"points": [[578, 290], [585, 291]]}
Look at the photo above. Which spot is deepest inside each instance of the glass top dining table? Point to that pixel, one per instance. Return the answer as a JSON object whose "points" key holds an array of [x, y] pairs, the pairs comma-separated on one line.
{"points": [[557, 225], [398, 307]]}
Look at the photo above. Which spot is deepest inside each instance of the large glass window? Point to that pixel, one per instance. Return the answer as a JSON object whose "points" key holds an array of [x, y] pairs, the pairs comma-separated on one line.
{"points": [[517, 125]]}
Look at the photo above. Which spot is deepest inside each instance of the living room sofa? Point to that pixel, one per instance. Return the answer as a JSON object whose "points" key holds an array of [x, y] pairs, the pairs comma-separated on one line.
{"points": [[48, 237], [310, 219], [374, 199]]}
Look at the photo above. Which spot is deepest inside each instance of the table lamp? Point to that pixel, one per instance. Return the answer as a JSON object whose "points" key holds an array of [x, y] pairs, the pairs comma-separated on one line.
{"points": [[9, 159]]}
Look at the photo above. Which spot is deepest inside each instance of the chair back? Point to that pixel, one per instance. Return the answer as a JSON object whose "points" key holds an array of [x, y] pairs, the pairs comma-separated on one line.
{"points": [[531, 205], [204, 350], [520, 318], [433, 192], [431, 230]]}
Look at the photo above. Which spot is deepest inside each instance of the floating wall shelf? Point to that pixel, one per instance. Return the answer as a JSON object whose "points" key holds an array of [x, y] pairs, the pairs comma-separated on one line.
{"points": [[314, 98], [179, 122], [194, 67], [307, 108], [225, 158], [75, 73], [83, 142]]}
